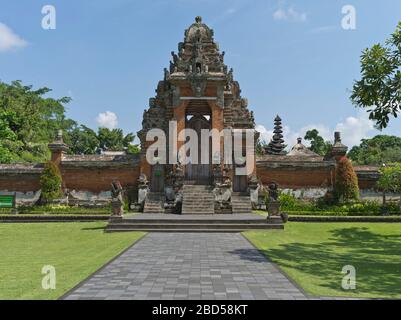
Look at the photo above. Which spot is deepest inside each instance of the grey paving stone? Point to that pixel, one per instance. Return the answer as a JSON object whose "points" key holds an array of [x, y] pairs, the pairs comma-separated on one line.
{"points": [[189, 266]]}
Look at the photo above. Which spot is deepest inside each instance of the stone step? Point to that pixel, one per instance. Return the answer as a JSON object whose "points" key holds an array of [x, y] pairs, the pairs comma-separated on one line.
{"points": [[197, 199], [154, 203], [271, 227], [192, 221], [174, 226], [241, 203]]}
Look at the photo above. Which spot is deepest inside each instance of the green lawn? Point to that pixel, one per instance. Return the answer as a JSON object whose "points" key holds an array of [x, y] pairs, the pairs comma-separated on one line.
{"points": [[76, 250], [313, 254]]}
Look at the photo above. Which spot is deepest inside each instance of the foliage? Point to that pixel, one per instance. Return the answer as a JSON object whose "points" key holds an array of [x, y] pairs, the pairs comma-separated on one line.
{"points": [[114, 140], [379, 88], [377, 150], [82, 140], [346, 184], [261, 146], [318, 145], [50, 182], [292, 205], [59, 209], [390, 178], [28, 121]]}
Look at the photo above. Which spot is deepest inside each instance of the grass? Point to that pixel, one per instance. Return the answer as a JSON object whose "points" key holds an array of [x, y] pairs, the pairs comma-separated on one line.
{"points": [[313, 255], [76, 250]]}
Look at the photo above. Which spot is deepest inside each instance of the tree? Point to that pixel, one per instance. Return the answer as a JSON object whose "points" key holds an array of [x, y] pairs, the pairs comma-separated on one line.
{"points": [[114, 140], [346, 183], [379, 89], [390, 179], [50, 182], [28, 121], [317, 143], [82, 140], [377, 150], [261, 146]]}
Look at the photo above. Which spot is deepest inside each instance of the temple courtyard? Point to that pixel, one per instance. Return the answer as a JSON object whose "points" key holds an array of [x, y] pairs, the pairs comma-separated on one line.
{"points": [[303, 261]]}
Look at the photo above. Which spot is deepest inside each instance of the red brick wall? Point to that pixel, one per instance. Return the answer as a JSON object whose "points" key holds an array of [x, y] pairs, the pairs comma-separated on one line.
{"points": [[296, 178], [22, 182], [98, 179], [367, 184]]}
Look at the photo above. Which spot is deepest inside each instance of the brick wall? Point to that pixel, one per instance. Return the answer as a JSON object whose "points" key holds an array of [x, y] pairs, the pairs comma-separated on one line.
{"points": [[19, 182], [98, 179], [300, 178]]}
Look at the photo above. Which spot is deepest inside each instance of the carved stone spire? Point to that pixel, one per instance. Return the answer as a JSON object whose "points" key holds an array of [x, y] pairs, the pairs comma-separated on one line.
{"points": [[276, 145]]}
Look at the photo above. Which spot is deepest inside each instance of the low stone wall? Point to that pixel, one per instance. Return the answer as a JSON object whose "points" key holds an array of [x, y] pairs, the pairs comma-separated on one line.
{"points": [[307, 193]]}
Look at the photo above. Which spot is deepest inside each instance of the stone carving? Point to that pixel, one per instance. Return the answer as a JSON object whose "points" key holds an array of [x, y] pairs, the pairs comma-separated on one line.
{"points": [[117, 201], [253, 190], [222, 187], [143, 189], [220, 97], [273, 191], [175, 96], [198, 84], [273, 208]]}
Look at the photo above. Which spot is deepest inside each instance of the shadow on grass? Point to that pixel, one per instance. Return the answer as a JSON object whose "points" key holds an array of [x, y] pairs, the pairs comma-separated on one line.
{"points": [[376, 258]]}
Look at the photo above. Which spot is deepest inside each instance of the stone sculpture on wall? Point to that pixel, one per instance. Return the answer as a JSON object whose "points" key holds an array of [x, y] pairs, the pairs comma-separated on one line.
{"points": [[117, 201], [143, 189], [222, 188]]}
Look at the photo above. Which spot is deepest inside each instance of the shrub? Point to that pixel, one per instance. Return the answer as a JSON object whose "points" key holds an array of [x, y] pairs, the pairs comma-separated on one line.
{"points": [[50, 182], [346, 185]]}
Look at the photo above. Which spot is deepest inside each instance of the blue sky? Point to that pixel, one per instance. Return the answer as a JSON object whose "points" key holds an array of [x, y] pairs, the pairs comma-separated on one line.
{"points": [[290, 57]]}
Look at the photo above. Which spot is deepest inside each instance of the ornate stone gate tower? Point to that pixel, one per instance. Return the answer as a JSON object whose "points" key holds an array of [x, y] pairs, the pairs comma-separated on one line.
{"points": [[198, 92]]}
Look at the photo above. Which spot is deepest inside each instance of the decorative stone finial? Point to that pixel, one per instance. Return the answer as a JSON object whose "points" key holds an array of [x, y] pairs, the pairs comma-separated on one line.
{"points": [[59, 136], [338, 150], [337, 137], [57, 147], [198, 19]]}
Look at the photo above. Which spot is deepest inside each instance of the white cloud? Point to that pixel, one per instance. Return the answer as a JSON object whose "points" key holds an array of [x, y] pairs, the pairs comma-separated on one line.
{"points": [[9, 40], [107, 119], [289, 14], [353, 129]]}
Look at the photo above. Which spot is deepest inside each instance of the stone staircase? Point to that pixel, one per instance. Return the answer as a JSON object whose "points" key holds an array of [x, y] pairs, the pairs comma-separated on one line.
{"points": [[154, 203], [192, 223], [197, 199], [241, 203]]}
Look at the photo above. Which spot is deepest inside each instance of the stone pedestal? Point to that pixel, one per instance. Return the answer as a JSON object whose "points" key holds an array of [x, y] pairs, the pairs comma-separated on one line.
{"points": [[273, 210], [116, 208]]}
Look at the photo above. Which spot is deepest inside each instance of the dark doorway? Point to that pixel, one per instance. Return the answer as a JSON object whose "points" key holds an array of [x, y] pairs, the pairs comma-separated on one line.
{"points": [[157, 179], [197, 173]]}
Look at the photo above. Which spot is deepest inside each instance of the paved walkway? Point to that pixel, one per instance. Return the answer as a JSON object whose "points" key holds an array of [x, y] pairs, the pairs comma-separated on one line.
{"points": [[189, 266]]}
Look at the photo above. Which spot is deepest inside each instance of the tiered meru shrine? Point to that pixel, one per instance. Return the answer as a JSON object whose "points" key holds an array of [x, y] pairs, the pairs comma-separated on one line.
{"points": [[198, 92]]}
